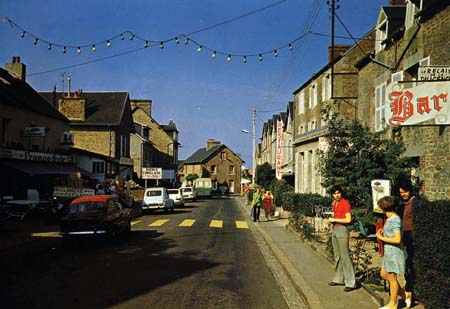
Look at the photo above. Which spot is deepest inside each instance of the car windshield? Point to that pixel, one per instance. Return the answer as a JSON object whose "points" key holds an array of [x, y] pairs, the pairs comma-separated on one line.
{"points": [[172, 191], [187, 189], [86, 207]]}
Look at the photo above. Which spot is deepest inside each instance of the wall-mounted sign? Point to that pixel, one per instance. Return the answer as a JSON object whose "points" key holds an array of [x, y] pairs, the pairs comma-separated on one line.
{"points": [[34, 131], [151, 173], [409, 106], [33, 156], [434, 72], [279, 155]]}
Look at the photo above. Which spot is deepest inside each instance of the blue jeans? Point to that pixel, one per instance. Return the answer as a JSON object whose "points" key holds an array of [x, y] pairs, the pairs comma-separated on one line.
{"points": [[344, 272]]}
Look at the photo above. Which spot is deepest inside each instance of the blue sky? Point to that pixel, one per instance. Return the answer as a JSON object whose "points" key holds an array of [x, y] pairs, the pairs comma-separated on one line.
{"points": [[206, 97]]}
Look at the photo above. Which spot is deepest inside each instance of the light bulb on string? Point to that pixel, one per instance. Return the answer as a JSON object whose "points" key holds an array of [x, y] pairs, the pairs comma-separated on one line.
{"points": [[291, 47], [177, 40], [161, 45], [108, 43], [199, 49], [35, 41], [229, 58], [94, 49], [132, 37], [213, 55], [79, 50], [244, 59], [49, 46], [261, 57], [22, 35], [64, 50], [186, 41], [146, 44], [275, 53], [122, 37]]}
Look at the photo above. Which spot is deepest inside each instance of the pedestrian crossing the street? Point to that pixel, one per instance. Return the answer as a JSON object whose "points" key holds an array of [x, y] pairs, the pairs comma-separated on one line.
{"points": [[190, 222]]}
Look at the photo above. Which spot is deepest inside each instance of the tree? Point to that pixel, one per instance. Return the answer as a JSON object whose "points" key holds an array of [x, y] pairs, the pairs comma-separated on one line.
{"points": [[355, 156], [191, 177], [264, 175]]}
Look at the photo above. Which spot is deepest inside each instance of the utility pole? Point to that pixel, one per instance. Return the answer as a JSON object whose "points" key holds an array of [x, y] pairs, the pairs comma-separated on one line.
{"points": [[254, 146], [333, 9]]}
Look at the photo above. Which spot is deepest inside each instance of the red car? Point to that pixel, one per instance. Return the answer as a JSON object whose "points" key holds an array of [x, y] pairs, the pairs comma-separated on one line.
{"points": [[96, 215]]}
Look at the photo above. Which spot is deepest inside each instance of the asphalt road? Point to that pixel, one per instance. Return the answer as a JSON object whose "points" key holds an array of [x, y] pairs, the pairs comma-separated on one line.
{"points": [[201, 256]]}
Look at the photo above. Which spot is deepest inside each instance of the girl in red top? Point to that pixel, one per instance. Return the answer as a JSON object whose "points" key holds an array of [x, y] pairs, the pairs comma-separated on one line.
{"points": [[267, 203], [344, 272]]}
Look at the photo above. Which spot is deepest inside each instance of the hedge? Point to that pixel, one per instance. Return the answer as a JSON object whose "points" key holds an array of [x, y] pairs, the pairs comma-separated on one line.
{"points": [[432, 253]]}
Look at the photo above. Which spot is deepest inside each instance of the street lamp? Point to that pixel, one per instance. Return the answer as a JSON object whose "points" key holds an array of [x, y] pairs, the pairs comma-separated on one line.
{"points": [[254, 145]]}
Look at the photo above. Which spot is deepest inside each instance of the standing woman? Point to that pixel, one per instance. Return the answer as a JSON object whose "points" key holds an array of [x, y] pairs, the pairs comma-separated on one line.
{"points": [[344, 272], [256, 204], [267, 201], [393, 262]]}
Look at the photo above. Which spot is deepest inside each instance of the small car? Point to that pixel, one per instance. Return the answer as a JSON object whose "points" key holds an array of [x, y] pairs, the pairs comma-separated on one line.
{"points": [[157, 198], [176, 196], [95, 215], [189, 193]]}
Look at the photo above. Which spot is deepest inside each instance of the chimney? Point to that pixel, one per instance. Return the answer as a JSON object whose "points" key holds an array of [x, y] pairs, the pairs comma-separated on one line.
{"points": [[338, 50], [210, 143], [19, 70], [73, 106], [145, 105]]}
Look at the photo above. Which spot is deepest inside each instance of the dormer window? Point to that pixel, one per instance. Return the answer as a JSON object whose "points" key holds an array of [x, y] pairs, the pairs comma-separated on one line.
{"points": [[381, 36]]}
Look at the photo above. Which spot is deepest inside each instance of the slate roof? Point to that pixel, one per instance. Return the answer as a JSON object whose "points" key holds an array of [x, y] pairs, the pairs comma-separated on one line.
{"points": [[171, 126], [102, 108], [202, 155], [17, 93]]}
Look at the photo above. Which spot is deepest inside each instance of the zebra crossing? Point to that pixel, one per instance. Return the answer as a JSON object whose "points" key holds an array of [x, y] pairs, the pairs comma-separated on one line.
{"points": [[190, 222]]}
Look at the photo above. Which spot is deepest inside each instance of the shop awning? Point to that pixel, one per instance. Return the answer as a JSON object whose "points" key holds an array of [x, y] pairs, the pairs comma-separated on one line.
{"points": [[40, 168]]}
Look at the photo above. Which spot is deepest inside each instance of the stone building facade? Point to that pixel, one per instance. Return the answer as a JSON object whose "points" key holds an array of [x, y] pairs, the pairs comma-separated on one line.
{"points": [[218, 162], [419, 41], [333, 90]]}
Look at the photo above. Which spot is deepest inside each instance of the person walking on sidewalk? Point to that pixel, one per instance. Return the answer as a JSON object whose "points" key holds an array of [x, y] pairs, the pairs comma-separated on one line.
{"points": [[393, 262], [267, 201], [256, 204], [407, 205], [344, 271]]}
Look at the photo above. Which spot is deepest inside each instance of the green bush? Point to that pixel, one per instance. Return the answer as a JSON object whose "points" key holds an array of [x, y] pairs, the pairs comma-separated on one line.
{"points": [[279, 187], [432, 253]]}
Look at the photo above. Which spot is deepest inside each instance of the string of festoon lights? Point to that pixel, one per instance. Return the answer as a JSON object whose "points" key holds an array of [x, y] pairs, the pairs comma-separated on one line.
{"points": [[147, 43]]}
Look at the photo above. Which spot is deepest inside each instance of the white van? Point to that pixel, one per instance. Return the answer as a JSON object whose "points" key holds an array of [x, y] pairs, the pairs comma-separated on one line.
{"points": [[157, 198]]}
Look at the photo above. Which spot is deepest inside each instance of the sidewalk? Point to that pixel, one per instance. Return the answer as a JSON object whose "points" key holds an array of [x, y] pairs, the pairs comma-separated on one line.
{"points": [[309, 267]]}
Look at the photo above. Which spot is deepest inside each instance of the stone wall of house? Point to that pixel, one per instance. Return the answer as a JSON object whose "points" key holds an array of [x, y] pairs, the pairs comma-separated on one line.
{"points": [[429, 144], [73, 108], [54, 130], [98, 141]]}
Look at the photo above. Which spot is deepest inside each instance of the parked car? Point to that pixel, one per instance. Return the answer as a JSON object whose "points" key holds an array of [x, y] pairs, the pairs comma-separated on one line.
{"points": [[95, 215], [157, 198], [176, 196], [189, 193]]}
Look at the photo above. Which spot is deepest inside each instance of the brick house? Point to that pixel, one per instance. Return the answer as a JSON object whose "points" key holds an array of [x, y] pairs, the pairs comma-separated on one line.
{"points": [[218, 162], [100, 122], [412, 38]]}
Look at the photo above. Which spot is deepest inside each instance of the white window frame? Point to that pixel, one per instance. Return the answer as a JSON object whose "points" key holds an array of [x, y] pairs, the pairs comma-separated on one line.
{"points": [[381, 35], [312, 100], [326, 87], [301, 103], [380, 107]]}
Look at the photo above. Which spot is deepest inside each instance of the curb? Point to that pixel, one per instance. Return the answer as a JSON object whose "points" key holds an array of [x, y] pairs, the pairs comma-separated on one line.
{"points": [[305, 292]]}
